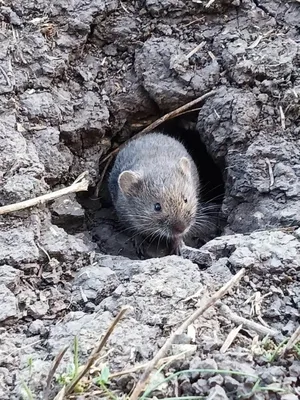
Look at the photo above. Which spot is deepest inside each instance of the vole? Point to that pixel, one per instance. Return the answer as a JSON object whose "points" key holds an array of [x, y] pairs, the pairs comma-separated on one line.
{"points": [[154, 187]]}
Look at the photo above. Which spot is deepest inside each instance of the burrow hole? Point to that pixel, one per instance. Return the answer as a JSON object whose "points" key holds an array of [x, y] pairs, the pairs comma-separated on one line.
{"points": [[102, 223]]}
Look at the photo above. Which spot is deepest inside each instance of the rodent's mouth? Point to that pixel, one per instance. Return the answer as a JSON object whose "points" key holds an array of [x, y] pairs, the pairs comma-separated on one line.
{"points": [[180, 234]]}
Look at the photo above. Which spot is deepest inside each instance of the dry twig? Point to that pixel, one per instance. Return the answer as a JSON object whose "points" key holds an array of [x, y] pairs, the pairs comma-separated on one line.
{"points": [[282, 117], [99, 184], [210, 3], [259, 329], [294, 339], [271, 175], [52, 371], [80, 184], [160, 354], [96, 352], [230, 338]]}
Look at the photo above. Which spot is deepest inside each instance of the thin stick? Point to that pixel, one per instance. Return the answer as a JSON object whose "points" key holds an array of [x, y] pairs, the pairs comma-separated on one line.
{"points": [[52, 371], [160, 354], [271, 175], [259, 329], [102, 177], [95, 354], [197, 48], [294, 339], [210, 3], [80, 184], [282, 117], [159, 121]]}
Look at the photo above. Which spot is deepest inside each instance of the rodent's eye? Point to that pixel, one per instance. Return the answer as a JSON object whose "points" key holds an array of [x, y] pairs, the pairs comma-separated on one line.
{"points": [[157, 207], [185, 199]]}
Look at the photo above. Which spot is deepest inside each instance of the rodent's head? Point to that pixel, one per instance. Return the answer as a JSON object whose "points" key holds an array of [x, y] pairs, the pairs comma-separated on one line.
{"points": [[164, 205]]}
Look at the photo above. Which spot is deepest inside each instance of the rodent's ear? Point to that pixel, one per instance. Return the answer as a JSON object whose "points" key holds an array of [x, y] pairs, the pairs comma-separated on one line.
{"points": [[185, 165], [130, 182]]}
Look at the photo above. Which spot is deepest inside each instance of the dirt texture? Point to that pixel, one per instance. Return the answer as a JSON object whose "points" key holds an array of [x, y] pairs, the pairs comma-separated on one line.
{"points": [[79, 78]]}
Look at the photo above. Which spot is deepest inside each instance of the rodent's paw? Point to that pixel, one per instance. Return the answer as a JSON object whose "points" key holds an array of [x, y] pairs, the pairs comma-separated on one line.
{"points": [[139, 248]]}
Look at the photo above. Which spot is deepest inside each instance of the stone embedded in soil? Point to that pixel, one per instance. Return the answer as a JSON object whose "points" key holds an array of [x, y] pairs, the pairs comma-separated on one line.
{"points": [[9, 276], [36, 327], [40, 105], [272, 374], [198, 256], [267, 251], [18, 245], [153, 64], [219, 270], [230, 383], [158, 7], [218, 393], [8, 304], [198, 363], [38, 309], [22, 187], [67, 212], [55, 156], [59, 244], [88, 124], [280, 58], [94, 283]]}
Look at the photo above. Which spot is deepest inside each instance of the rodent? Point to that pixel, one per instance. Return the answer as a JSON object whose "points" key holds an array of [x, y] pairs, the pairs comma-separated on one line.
{"points": [[154, 186]]}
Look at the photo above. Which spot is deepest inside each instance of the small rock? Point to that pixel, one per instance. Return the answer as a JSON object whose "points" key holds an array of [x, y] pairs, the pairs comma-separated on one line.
{"points": [[242, 257], [271, 374], [9, 276], [110, 50], [89, 307], [197, 363], [21, 240], [40, 105], [198, 256], [13, 17], [216, 380], [8, 304], [217, 393], [219, 270], [93, 283], [294, 369], [38, 309], [36, 327], [157, 377], [60, 245], [289, 396], [67, 212], [230, 383], [201, 386]]}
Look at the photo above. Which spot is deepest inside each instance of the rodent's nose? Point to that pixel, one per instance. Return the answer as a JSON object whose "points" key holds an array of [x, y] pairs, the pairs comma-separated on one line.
{"points": [[178, 227]]}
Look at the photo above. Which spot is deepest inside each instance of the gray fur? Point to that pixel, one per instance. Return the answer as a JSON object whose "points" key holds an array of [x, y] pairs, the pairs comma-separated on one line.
{"points": [[156, 157]]}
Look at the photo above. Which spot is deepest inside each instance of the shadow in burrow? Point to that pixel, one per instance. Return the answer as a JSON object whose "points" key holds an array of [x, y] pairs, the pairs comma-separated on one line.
{"points": [[114, 239]]}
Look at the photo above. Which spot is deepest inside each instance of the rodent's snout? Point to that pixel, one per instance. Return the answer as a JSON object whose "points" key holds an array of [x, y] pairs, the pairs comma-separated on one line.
{"points": [[178, 227]]}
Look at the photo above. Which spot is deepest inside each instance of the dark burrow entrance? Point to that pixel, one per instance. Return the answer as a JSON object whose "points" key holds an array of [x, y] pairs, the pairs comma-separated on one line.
{"points": [[114, 239]]}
